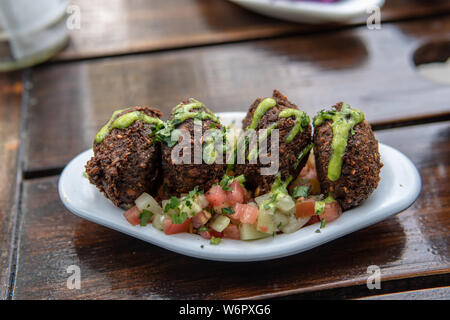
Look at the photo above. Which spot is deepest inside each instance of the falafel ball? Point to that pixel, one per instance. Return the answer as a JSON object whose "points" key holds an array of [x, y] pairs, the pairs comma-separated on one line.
{"points": [[126, 159], [183, 176], [295, 138], [346, 153]]}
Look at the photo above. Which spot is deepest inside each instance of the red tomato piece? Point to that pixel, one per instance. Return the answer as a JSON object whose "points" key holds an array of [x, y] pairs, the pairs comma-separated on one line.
{"points": [[236, 195], [216, 234], [232, 232], [216, 196], [304, 208], [314, 219], [132, 216], [237, 208], [249, 214], [200, 219], [331, 212], [172, 228], [205, 234]]}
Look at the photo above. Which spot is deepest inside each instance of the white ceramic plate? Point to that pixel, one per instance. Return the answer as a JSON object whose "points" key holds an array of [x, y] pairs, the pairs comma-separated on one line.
{"points": [[310, 11], [399, 187]]}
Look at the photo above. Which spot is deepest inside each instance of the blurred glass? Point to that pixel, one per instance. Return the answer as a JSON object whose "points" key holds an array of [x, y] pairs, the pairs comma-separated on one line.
{"points": [[31, 31]]}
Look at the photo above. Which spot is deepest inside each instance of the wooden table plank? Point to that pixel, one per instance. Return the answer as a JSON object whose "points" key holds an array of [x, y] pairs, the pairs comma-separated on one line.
{"points": [[369, 69], [10, 111], [415, 243], [424, 294], [124, 26]]}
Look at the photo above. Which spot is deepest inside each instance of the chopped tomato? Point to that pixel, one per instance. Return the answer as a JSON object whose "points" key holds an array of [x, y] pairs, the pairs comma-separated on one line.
{"points": [[216, 196], [237, 211], [331, 212], [246, 213], [200, 219], [308, 173], [216, 234], [231, 232], [172, 228], [304, 208], [205, 234], [236, 195], [132, 216], [314, 219]]}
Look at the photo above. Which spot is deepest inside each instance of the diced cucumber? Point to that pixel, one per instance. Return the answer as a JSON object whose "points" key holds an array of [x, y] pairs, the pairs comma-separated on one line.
{"points": [[191, 208], [281, 220], [265, 222], [294, 224], [171, 211], [219, 223], [285, 203], [147, 202], [157, 222], [259, 200], [249, 232], [202, 201]]}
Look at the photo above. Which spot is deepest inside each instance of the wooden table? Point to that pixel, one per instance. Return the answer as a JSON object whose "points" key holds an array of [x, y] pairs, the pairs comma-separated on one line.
{"points": [[155, 53]]}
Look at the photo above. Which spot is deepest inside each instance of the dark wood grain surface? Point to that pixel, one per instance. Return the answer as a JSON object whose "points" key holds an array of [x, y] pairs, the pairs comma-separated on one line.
{"points": [[423, 294], [122, 26], [10, 112], [412, 244], [372, 70]]}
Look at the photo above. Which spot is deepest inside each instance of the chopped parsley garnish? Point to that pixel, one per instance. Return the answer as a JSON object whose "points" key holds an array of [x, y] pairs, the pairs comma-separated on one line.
{"points": [[214, 240], [179, 218], [319, 207], [85, 174], [167, 134], [300, 191], [193, 193], [279, 225], [227, 210], [225, 183], [173, 204], [322, 224], [203, 229], [227, 180], [145, 217]]}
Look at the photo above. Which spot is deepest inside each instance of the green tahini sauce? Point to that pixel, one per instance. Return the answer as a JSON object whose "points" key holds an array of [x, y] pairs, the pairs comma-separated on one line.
{"points": [[319, 206], [124, 121], [183, 112], [342, 122], [301, 120]]}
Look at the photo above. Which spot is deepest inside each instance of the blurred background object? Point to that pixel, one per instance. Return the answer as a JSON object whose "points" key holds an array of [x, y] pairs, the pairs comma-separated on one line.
{"points": [[311, 11], [31, 31]]}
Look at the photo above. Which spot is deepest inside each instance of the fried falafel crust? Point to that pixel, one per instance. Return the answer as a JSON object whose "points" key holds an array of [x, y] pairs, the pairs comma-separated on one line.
{"points": [[361, 166], [127, 162], [288, 152], [182, 178]]}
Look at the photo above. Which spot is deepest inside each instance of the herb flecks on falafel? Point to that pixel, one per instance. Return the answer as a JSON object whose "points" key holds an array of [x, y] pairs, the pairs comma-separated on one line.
{"points": [[346, 154], [183, 177], [126, 159], [268, 114]]}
